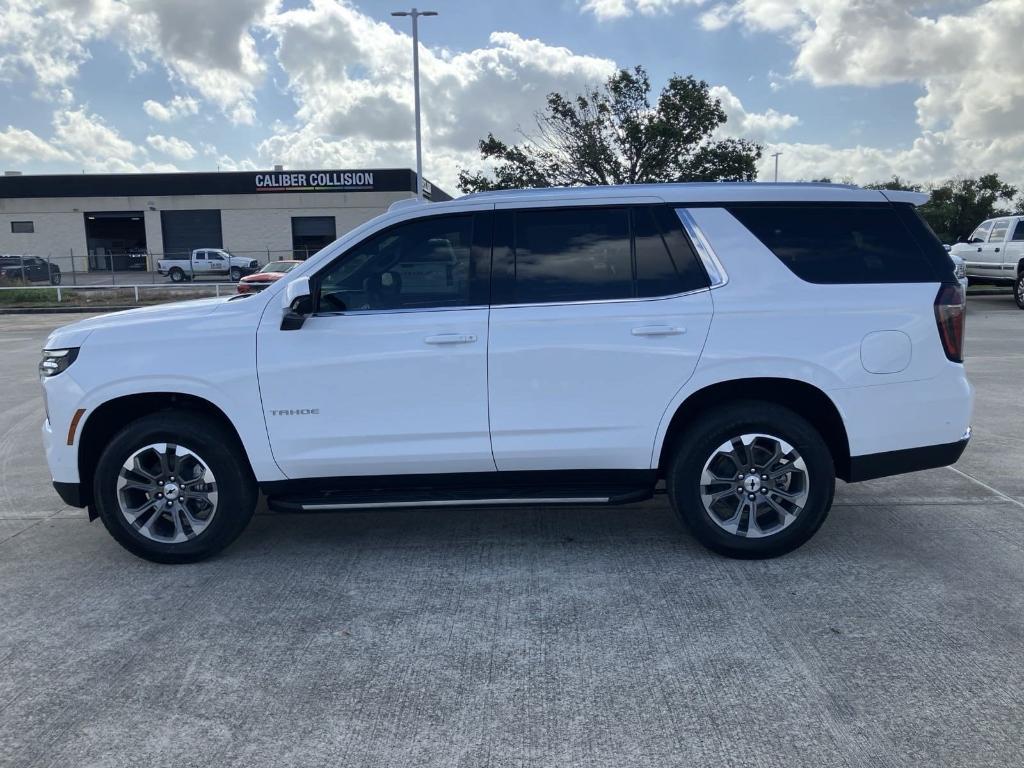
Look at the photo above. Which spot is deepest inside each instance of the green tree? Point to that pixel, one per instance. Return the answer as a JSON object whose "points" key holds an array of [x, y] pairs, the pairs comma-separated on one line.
{"points": [[961, 204], [613, 135], [895, 184]]}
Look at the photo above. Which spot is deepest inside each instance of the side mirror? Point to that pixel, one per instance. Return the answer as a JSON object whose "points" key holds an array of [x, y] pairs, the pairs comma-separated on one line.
{"points": [[297, 304]]}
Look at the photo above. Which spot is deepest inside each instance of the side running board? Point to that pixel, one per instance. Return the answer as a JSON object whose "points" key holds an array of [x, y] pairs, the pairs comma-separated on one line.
{"points": [[348, 500]]}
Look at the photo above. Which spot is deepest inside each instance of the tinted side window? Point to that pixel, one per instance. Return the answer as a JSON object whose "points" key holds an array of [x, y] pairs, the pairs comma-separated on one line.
{"points": [[572, 255], [426, 263], [839, 244], [1018, 231], [665, 261]]}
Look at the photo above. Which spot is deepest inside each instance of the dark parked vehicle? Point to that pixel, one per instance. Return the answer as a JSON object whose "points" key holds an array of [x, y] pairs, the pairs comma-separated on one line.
{"points": [[28, 269]]}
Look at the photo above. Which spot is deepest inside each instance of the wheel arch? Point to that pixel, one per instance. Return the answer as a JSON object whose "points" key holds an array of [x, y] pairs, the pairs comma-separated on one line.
{"points": [[104, 421], [805, 399]]}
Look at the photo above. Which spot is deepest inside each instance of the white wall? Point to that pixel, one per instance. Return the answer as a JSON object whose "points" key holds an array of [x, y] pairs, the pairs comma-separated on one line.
{"points": [[253, 223]]}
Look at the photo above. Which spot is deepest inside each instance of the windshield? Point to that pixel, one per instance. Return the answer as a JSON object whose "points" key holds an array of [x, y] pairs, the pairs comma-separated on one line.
{"points": [[279, 266]]}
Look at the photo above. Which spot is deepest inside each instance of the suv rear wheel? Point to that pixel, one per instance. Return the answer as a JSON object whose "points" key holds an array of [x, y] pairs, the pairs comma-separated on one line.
{"points": [[174, 488], [752, 480]]}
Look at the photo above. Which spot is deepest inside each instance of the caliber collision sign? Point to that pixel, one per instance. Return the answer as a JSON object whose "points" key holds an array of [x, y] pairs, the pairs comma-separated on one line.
{"points": [[314, 181]]}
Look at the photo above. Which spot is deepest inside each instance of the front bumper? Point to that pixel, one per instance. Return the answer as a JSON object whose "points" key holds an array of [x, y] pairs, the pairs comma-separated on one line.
{"points": [[70, 493]]}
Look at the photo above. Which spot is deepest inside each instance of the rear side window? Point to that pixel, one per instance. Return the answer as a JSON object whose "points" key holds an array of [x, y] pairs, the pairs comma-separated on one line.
{"points": [[552, 255], [999, 231], [1018, 231], [842, 244], [578, 255]]}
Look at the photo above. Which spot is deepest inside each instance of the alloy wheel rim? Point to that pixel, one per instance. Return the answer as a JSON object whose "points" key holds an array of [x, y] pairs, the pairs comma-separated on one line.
{"points": [[754, 485], [167, 493]]}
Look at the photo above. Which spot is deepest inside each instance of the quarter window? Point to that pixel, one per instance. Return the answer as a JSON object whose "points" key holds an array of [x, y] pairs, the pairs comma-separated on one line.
{"points": [[22, 227], [426, 263], [839, 244]]}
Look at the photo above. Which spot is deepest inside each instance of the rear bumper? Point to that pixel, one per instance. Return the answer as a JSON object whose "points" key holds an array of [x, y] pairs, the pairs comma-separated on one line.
{"points": [[872, 465]]}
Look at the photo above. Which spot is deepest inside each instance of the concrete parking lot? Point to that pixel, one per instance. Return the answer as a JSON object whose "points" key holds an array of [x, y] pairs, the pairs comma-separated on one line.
{"points": [[539, 637]]}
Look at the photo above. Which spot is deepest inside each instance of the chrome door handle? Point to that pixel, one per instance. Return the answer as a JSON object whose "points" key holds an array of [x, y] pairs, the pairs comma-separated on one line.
{"points": [[451, 338], [658, 330]]}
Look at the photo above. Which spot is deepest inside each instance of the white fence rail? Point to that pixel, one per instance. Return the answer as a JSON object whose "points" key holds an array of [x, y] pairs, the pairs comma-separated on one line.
{"points": [[138, 291]]}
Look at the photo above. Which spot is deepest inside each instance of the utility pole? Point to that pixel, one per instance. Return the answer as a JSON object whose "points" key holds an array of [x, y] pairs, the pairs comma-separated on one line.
{"points": [[776, 156], [415, 14]]}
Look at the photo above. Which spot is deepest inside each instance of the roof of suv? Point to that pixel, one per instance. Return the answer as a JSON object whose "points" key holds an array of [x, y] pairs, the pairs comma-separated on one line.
{"points": [[710, 192]]}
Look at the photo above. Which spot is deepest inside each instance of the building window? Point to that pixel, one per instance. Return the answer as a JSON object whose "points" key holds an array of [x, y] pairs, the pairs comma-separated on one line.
{"points": [[22, 227]]}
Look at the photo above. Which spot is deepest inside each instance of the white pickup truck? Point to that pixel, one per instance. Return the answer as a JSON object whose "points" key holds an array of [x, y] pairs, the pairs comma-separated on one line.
{"points": [[994, 253], [207, 262]]}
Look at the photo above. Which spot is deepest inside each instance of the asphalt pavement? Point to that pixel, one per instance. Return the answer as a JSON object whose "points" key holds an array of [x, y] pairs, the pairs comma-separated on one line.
{"points": [[534, 637]]}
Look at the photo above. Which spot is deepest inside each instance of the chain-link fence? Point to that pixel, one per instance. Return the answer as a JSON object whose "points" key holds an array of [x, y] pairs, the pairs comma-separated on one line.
{"points": [[128, 269]]}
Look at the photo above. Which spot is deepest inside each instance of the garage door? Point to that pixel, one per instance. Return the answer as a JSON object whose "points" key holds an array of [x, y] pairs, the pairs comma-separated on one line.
{"points": [[184, 231]]}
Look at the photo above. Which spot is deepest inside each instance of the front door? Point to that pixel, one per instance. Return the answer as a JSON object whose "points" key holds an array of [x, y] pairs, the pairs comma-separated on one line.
{"points": [[599, 318], [389, 375]]}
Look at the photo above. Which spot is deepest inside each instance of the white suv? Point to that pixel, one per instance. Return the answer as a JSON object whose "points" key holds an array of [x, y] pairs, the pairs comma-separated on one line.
{"points": [[745, 344]]}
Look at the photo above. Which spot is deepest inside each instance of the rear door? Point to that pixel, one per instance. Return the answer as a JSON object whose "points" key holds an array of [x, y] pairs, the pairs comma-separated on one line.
{"points": [[993, 251], [1013, 251], [599, 315]]}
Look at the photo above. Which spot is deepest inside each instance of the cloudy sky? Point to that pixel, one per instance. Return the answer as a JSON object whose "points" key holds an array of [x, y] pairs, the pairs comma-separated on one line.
{"points": [[843, 88]]}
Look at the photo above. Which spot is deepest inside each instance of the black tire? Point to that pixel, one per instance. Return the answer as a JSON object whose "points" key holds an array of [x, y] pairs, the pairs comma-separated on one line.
{"points": [[55, 278], [235, 274], [700, 443], [177, 275], [1018, 289], [235, 484]]}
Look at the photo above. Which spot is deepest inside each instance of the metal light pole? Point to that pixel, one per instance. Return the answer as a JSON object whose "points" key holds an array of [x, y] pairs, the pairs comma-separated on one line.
{"points": [[776, 156], [416, 88]]}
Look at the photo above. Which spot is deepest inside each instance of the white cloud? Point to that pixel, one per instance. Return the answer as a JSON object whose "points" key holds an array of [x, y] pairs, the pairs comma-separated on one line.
{"points": [[606, 10], [22, 146], [355, 102], [179, 106], [177, 148], [968, 61], [758, 126], [208, 46]]}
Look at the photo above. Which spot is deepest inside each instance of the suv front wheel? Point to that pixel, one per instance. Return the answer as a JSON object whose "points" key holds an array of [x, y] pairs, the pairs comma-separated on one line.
{"points": [[752, 480], [1018, 289], [174, 488]]}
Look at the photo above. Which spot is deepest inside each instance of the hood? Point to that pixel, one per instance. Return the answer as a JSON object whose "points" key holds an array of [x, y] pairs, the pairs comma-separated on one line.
{"points": [[75, 334], [264, 277]]}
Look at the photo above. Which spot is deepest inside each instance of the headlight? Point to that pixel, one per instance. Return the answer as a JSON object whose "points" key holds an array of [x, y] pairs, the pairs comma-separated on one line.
{"points": [[56, 361]]}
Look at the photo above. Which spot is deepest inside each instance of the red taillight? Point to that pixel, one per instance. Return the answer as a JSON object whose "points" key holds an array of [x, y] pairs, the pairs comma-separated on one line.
{"points": [[950, 308]]}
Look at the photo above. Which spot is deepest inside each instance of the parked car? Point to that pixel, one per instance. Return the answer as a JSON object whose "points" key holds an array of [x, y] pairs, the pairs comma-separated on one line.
{"points": [[994, 254], [744, 344], [207, 262], [28, 269], [272, 271], [959, 269]]}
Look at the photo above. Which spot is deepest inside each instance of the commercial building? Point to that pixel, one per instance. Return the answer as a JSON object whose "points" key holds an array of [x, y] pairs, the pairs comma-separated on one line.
{"points": [[127, 221]]}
